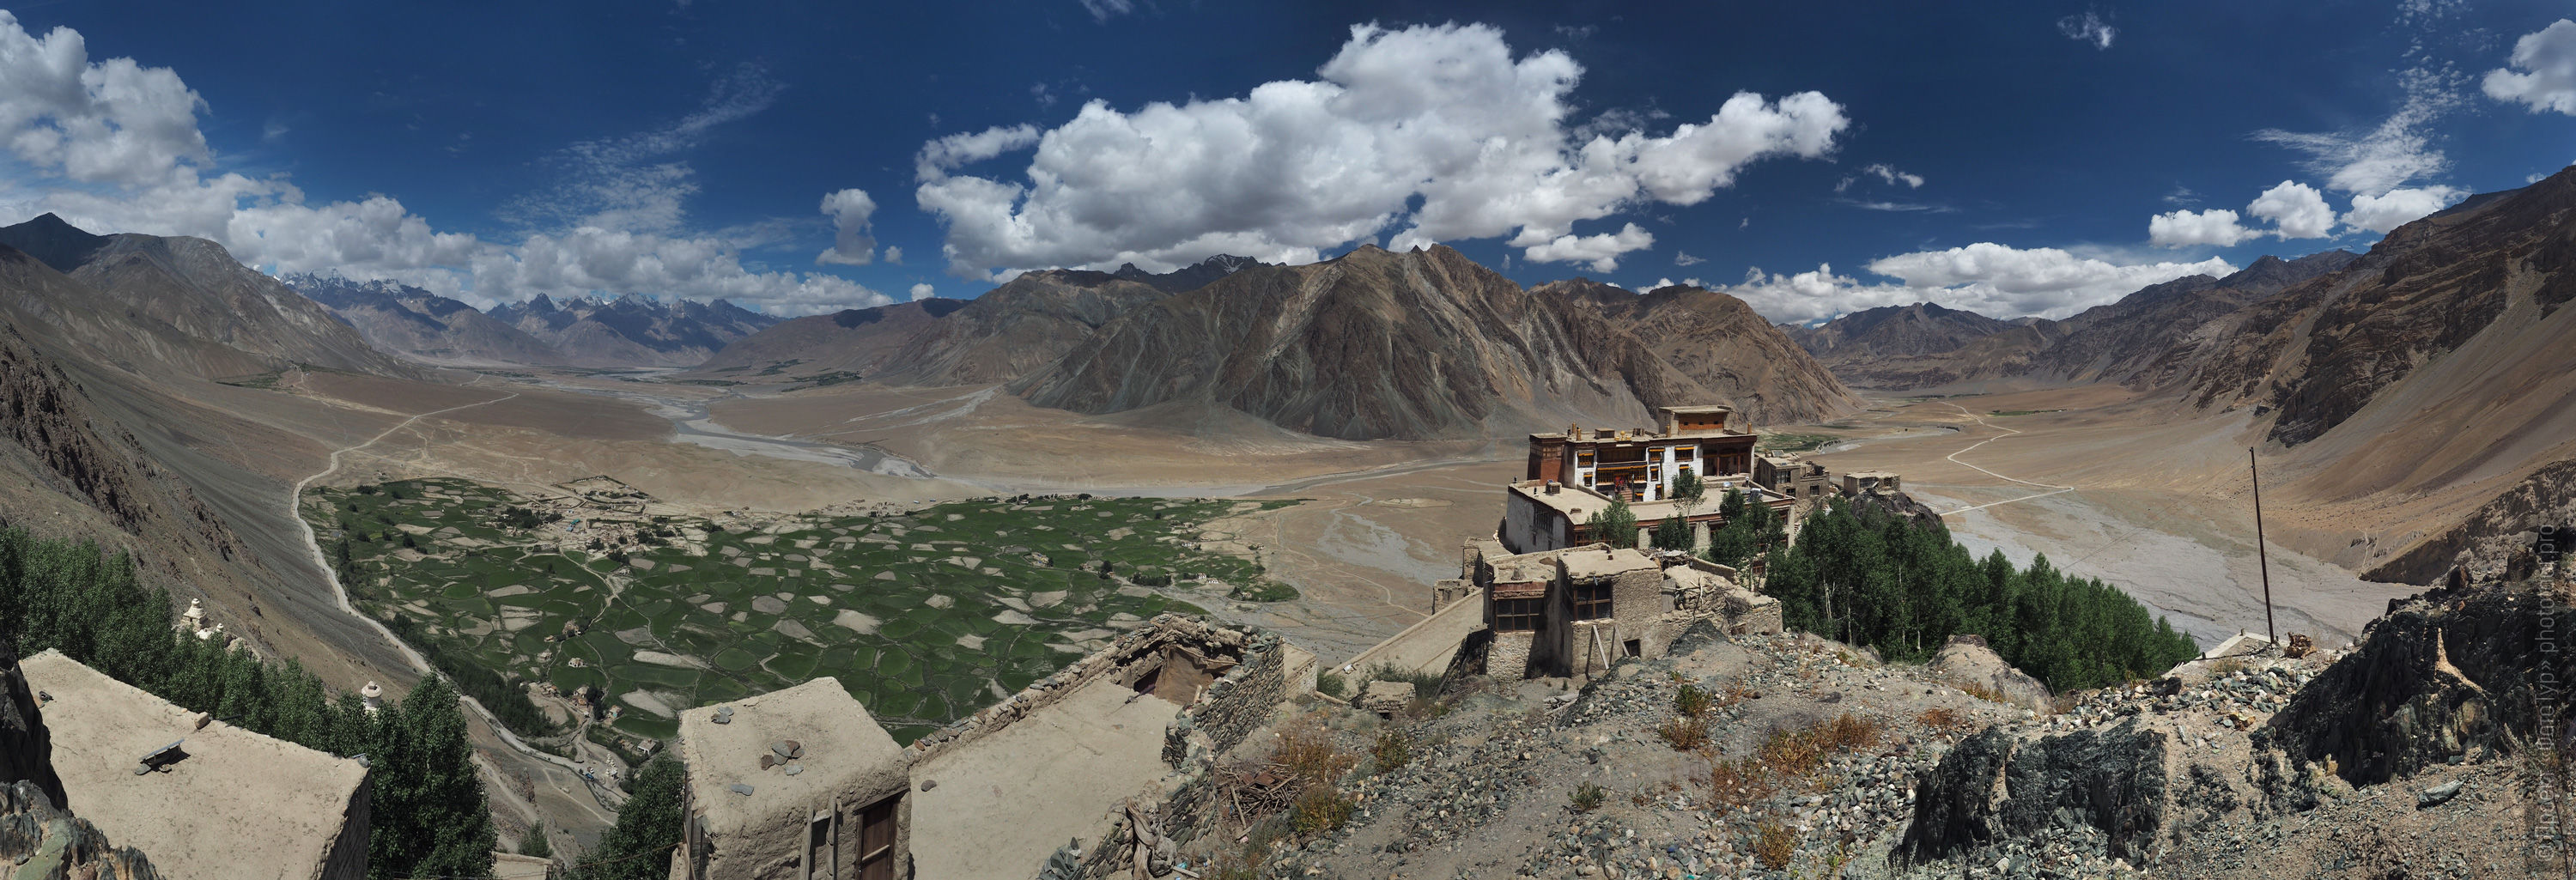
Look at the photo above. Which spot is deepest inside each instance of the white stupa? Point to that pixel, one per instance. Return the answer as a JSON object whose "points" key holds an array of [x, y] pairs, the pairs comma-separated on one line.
{"points": [[374, 695]]}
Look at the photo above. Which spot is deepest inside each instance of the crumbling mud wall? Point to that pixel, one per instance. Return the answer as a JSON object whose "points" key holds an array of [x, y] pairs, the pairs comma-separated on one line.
{"points": [[1128, 660], [1232, 706]]}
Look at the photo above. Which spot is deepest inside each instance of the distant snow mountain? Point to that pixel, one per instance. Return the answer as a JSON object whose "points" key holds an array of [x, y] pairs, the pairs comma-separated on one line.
{"points": [[632, 330], [424, 325]]}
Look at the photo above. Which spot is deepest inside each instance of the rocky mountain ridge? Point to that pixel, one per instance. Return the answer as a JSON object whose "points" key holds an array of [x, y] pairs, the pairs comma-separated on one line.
{"points": [[175, 305], [632, 330], [415, 322]]}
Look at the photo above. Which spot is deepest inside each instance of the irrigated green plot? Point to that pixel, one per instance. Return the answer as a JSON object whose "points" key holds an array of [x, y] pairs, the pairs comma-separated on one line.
{"points": [[924, 617]]}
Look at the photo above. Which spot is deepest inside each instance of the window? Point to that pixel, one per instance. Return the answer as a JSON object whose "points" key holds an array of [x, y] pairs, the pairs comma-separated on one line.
{"points": [[1592, 601], [1516, 615]]}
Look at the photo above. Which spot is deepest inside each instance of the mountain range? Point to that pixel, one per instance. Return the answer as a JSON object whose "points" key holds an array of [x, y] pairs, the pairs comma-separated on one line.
{"points": [[1372, 345]]}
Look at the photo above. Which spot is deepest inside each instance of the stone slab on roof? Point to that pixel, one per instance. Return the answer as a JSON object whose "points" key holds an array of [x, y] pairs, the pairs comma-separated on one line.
{"points": [[241, 804], [841, 744]]}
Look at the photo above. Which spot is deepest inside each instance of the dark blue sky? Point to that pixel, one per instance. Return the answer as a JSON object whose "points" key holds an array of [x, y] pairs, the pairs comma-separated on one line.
{"points": [[2006, 157]]}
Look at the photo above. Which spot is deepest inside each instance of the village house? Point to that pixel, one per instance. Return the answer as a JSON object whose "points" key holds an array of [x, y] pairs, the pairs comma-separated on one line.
{"points": [[1576, 474], [1578, 611], [796, 784]]}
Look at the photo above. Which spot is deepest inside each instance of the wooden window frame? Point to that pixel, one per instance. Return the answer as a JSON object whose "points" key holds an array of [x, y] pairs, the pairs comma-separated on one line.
{"points": [[1509, 613], [1591, 601]]}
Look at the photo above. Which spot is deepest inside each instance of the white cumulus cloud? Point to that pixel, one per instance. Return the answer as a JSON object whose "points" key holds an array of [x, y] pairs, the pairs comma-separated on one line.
{"points": [[853, 241], [123, 140], [2547, 79], [2296, 210], [1423, 134], [114, 121], [2397, 207], [1601, 252], [923, 291], [1990, 279], [2216, 226]]}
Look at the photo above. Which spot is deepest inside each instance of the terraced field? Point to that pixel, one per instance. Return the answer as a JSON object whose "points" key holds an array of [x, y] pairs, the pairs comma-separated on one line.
{"points": [[925, 617]]}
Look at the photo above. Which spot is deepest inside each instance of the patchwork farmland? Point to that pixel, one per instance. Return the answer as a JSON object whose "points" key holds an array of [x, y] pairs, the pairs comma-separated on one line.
{"points": [[924, 616]]}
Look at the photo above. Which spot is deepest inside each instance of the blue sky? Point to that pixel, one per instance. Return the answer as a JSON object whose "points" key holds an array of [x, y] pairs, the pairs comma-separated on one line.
{"points": [[2013, 158]]}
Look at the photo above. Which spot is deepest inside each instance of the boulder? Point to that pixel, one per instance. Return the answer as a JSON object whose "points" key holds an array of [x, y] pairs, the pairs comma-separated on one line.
{"points": [[1967, 660], [26, 751], [1996, 786], [2450, 672]]}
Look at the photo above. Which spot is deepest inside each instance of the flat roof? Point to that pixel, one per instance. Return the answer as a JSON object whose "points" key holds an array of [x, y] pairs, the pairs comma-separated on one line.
{"points": [[197, 819], [1588, 563], [840, 742], [1697, 408]]}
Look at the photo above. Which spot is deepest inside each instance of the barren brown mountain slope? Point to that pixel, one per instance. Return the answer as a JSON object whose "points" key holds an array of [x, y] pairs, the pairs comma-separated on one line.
{"points": [[863, 341], [1382, 345], [200, 312], [1017, 329], [177, 306], [2426, 379], [1718, 342]]}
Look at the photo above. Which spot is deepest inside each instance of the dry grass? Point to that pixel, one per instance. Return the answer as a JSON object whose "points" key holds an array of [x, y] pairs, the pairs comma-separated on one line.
{"points": [[1392, 750], [1983, 692], [1319, 810], [1800, 753], [1307, 751], [1684, 733], [1773, 843], [1588, 797], [1947, 721]]}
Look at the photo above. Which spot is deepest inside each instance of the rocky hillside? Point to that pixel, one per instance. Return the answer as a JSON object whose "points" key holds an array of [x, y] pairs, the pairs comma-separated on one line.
{"points": [[2319, 354], [409, 320], [1812, 760], [632, 330], [178, 304], [1191, 277], [1022, 327]]}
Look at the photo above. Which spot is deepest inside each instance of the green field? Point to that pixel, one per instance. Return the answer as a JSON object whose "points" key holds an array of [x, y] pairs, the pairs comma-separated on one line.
{"points": [[924, 617], [1787, 442]]}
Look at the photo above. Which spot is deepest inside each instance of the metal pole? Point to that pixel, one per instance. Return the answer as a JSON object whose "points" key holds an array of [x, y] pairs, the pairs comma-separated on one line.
{"points": [[2261, 558]]}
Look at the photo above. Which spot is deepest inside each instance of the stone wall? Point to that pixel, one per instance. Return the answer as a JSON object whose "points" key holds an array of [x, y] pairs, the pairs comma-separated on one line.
{"points": [[1233, 706], [1509, 657]]}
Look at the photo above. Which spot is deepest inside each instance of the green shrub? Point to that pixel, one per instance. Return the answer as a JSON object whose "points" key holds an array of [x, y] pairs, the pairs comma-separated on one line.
{"points": [[1588, 797], [1392, 750], [1692, 702], [1330, 684], [1319, 810]]}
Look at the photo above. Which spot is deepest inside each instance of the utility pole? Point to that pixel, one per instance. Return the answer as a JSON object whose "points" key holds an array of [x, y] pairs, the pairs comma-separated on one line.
{"points": [[2262, 558]]}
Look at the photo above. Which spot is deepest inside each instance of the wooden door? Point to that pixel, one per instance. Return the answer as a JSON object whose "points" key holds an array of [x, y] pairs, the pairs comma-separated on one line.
{"points": [[876, 840]]}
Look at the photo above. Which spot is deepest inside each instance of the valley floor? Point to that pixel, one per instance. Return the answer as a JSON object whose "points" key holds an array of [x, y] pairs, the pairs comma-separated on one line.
{"points": [[2161, 508]]}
